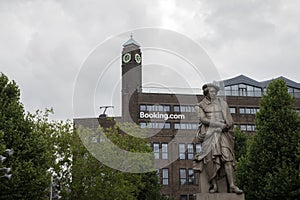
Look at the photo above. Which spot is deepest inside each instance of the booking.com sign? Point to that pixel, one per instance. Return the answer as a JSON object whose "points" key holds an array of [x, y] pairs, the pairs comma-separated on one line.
{"points": [[158, 115], [168, 51]]}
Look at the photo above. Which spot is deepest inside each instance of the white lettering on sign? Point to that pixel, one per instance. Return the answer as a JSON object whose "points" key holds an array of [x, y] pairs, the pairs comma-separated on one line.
{"points": [[157, 115]]}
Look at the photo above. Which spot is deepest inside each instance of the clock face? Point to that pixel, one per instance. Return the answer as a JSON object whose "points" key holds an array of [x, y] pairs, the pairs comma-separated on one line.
{"points": [[126, 57], [137, 58]]}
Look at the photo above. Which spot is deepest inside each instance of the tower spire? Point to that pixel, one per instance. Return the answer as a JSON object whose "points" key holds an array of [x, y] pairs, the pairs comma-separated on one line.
{"points": [[131, 41]]}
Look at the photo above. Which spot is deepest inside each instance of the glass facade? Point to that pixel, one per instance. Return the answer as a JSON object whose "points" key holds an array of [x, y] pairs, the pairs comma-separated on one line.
{"points": [[243, 90], [294, 92]]}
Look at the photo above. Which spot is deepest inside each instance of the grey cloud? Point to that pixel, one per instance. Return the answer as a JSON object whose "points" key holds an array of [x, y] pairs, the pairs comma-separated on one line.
{"points": [[44, 43]]}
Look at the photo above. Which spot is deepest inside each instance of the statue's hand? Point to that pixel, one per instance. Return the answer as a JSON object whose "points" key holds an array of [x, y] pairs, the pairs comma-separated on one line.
{"points": [[226, 128], [196, 157]]}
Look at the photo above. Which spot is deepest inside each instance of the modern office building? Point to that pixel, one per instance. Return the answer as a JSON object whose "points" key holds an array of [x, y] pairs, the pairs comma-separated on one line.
{"points": [[172, 121]]}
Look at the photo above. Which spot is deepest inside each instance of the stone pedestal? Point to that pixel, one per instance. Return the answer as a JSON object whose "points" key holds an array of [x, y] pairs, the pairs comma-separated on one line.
{"points": [[220, 196], [222, 189]]}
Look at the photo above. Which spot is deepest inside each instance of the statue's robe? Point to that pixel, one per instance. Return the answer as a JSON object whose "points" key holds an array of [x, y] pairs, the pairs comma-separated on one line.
{"points": [[218, 143]]}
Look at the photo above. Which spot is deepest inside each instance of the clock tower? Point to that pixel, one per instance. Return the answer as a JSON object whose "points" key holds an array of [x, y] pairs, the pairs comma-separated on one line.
{"points": [[131, 79]]}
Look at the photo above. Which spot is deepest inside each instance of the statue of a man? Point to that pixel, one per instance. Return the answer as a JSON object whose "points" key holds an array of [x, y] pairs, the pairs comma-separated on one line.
{"points": [[216, 135]]}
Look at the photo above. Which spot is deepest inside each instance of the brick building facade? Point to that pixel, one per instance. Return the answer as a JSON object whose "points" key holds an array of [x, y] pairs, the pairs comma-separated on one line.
{"points": [[173, 123]]}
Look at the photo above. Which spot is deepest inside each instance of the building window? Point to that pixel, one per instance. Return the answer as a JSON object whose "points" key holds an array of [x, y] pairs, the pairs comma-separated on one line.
{"points": [[184, 108], [186, 176], [166, 108], [142, 107], [248, 111], [156, 150], [247, 127], [186, 126], [243, 127], [176, 108], [294, 92], [182, 176], [190, 151], [232, 110], [257, 92], [143, 124], [297, 93], [162, 108], [183, 197], [160, 153], [164, 151], [165, 176], [243, 90], [191, 197], [182, 151], [156, 125], [198, 148], [242, 111], [167, 125], [191, 177]]}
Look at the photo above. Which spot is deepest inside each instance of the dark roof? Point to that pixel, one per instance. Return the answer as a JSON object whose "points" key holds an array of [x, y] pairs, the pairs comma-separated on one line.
{"points": [[242, 79], [288, 82]]}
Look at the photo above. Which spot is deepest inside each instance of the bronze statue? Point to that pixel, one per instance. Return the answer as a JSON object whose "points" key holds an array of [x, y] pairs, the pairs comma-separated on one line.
{"points": [[217, 138]]}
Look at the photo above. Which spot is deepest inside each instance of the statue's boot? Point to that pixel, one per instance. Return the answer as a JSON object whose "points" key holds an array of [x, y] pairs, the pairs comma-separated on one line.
{"points": [[236, 190], [229, 174], [214, 188]]}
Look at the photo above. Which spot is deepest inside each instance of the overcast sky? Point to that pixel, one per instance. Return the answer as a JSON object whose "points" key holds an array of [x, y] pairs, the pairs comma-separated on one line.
{"points": [[44, 43]]}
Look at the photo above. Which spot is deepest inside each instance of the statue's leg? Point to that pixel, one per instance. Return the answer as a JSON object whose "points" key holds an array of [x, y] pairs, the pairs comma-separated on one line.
{"points": [[214, 188], [230, 178]]}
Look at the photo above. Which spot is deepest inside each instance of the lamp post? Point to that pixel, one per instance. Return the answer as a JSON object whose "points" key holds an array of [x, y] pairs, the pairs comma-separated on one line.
{"points": [[6, 170]]}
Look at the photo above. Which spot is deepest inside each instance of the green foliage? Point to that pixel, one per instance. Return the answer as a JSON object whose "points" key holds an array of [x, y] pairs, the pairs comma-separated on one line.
{"points": [[240, 143], [37, 144], [92, 179], [270, 169]]}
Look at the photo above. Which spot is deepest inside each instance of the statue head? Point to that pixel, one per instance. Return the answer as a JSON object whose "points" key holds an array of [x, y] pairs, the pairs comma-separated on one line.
{"points": [[210, 90]]}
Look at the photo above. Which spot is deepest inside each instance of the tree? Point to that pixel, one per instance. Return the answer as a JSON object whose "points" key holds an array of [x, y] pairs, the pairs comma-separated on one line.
{"points": [[40, 146], [270, 169], [92, 179], [29, 162], [240, 143]]}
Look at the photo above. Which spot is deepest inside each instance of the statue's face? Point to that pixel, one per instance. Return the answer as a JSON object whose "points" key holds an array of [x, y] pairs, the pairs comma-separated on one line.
{"points": [[212, 93]]}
